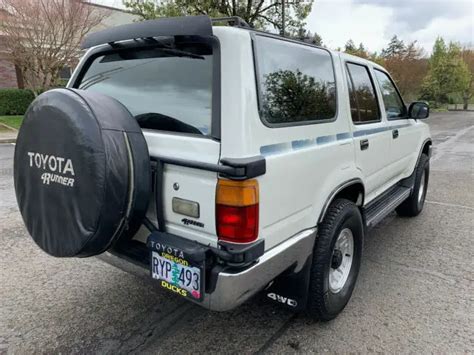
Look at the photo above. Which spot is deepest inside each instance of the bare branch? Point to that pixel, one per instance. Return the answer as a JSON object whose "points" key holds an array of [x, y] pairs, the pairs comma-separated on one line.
{"points": [[43, 36]]}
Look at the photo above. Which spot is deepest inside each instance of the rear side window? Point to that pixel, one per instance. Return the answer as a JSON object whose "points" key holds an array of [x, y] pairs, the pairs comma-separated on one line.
{"points": [[394, 106], [296, 82], [166, 89], [364, 106]]}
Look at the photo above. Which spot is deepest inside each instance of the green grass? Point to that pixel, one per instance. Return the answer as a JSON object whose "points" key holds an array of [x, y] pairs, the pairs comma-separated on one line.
{"points": [[12, 121]]}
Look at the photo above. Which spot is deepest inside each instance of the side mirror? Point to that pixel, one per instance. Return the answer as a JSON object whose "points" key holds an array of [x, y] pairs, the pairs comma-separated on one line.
{"points": [[418, 110]]}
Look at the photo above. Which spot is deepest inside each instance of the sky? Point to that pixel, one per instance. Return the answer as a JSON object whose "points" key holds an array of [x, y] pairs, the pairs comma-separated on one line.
{"points": [[374, 22]]}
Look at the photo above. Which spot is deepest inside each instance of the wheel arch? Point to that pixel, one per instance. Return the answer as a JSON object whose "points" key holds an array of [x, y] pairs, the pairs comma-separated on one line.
{"points": [[352, 190], [426, 148]]}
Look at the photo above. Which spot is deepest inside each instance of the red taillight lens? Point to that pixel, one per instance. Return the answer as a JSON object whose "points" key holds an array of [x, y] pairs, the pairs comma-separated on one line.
{"points": [[237, 224], [237, 210]]}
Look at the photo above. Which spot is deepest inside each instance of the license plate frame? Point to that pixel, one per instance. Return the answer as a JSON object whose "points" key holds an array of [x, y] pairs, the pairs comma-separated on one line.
{"points": [[181, 257]]}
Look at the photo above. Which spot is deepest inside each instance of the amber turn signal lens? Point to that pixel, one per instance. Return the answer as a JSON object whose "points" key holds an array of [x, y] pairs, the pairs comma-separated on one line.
{"points": [[237, 193]]}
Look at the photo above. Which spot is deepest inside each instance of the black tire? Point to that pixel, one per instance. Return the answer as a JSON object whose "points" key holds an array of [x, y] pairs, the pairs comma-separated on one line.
{"points": [[413, 205], [323, 303]]}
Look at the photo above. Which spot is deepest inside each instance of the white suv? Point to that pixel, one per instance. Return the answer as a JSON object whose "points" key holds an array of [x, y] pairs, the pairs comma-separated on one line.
{"points": [[221, 161]]}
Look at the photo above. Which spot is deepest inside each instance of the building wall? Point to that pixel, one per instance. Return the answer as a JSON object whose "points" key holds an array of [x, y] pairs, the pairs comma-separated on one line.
{"points": [[115, 17], [7, 74]]}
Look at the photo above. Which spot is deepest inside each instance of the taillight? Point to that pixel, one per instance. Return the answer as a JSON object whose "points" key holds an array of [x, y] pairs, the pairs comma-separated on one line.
{"points": [[237, 210]]}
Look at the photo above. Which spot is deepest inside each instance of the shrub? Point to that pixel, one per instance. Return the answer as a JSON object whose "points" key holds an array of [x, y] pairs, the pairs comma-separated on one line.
{"points": [[15, 101]]}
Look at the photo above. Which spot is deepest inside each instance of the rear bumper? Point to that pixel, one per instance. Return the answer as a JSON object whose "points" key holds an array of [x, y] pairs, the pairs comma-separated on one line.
{"points": [[234, 288]]}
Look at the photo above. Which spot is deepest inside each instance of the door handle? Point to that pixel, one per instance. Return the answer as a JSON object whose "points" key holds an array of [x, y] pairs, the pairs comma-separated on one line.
{"points": [[395, 134], [364, 144]]}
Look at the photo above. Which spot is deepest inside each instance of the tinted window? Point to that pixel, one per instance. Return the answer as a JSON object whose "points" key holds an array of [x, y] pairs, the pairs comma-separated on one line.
{"points": [[364, 107], [296, 82], [394, 106], [164, 89]]}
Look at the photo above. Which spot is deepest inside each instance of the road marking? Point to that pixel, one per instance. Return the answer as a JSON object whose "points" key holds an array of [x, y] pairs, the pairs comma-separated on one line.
{"points": [[450, 205], [12, 143]]}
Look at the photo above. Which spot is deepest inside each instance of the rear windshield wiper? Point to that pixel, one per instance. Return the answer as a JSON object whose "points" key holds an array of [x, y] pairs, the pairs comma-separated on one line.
{"points": [[180, 53]]}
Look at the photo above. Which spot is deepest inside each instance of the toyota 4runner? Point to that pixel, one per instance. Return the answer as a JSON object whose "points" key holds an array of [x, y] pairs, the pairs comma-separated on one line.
{"points": [[221, 161]]}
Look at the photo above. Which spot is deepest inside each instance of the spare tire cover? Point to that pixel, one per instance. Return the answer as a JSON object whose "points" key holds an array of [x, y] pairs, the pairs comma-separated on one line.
{"points": [[81, 171]]}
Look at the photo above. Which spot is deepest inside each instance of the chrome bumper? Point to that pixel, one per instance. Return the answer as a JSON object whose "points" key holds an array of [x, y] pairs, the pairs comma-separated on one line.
{"points": [[233, 289]]}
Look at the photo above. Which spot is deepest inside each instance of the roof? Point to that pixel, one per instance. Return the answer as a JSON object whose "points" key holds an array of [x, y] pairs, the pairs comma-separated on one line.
{"points": [[201, 25]]}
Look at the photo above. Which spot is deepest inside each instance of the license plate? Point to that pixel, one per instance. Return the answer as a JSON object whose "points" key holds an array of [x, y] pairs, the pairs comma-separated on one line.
{"points": [[177, 275]]}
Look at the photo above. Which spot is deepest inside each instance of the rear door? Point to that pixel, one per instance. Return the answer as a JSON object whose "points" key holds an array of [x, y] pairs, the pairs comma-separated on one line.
{"points": [[171, 89], [369, 130]]}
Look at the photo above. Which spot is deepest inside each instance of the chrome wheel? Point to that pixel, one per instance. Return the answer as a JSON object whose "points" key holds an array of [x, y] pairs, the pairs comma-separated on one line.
{"points": [[341, 261], [421, 189]]}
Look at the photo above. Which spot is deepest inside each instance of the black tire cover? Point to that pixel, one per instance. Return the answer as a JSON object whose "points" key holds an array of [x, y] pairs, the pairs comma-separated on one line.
{"points": [[82, 172]]}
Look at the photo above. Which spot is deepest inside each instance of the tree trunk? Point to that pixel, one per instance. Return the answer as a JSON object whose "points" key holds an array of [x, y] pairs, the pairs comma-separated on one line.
{"points": [[465, 99], [19, 77]]}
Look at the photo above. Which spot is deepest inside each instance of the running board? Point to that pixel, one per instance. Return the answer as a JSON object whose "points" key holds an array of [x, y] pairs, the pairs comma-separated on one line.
{"points": [[385, 204]]}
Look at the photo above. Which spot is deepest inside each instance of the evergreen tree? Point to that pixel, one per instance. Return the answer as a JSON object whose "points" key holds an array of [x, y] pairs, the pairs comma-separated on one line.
{"points": [[350, 47], [468, 90], [447, 73], [359, 51], [395, 48], [313, 38]]}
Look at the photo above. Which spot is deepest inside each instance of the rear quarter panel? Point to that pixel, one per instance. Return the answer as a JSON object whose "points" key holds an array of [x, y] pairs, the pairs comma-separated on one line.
{"points": [[304, 163]]}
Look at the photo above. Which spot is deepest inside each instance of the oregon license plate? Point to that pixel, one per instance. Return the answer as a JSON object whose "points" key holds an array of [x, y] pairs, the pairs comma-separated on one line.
{"points": [[177, 275]]}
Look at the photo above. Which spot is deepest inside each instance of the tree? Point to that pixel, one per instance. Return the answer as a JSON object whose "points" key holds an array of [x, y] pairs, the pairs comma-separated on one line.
{"points": [[447, 73], [395, 48], [312, 38], [407, 66], [316, 39], [260, 14], [468, 90], [44, 36], [349, 47], [359, 51]]}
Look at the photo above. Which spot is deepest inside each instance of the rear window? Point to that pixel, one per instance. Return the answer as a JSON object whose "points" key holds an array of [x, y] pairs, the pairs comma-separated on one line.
{"points": [[296, 82], [166, 89]]}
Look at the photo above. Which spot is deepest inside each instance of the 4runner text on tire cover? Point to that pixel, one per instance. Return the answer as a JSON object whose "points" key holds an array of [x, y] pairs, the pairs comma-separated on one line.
{"points": [[221, 161]]}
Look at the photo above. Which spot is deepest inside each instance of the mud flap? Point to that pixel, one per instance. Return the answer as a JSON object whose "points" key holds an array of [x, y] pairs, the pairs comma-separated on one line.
{"points": [[290, 289]]}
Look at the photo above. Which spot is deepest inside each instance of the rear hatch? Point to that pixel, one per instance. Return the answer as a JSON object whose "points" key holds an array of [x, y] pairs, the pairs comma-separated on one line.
{"points": [[170, 86]]}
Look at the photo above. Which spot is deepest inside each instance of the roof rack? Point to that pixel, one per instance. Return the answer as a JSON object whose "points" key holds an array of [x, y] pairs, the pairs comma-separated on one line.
{"points": [[234, 21]]}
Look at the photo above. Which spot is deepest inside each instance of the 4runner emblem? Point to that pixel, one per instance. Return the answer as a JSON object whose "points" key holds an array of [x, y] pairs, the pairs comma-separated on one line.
{"points": [[187, 222], [57, 168]]}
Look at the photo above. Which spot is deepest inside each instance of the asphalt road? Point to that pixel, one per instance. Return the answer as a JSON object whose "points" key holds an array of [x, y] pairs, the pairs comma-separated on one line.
{"points": [[415, 291]]}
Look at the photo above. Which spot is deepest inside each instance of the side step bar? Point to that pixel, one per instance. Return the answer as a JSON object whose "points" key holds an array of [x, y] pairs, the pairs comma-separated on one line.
{"points": [[385, 204]]}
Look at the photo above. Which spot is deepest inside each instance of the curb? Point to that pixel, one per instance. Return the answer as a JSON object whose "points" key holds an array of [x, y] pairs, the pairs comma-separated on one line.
{"points": [[7, 140], [8, 127]]}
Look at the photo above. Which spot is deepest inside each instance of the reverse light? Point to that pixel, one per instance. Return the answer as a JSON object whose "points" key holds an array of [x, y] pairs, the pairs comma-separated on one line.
{"points": [[237, 210]]}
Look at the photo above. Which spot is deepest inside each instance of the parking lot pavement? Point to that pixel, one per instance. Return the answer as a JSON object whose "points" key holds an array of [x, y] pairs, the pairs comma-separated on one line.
{"points": [[414, 292]]}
